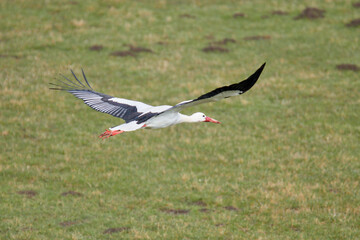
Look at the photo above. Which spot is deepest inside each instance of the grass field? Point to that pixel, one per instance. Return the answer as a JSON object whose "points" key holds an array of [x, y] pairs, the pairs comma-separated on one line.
{"points": [[284, 163]]}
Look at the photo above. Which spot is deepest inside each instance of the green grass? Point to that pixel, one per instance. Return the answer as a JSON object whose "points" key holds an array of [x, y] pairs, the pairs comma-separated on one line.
{"points": [[286, 155]]}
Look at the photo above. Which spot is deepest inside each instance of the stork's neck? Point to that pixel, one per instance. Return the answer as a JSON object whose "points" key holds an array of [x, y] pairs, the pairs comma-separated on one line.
{"points": [[187, 119]]}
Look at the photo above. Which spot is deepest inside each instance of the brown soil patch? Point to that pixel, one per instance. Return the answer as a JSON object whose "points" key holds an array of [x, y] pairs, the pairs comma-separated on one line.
{"points": [[28, 193], [199, 203], [68, 223], [334, 190], [354, 23], [296, 228], [215, 49], [115, 230], [346, 67], [204, 210], [9, 56], [175, 211], [311, 13], [264, 37], [279, 12], [187, 16], [133, 51], [225, 41], [356, 5], [210, 37], [239, 15], [123, 54], [72, 193], [96, 47], [231, 208], [139, 49], [162, 43]]}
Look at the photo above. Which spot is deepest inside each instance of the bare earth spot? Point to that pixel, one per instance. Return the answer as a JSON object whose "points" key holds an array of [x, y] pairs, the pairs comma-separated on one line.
{"points": [[279, 12], [68, 223], [28, 193], [210, 37], [294, 209], [265, 37], [333, 190], [354, 23], [239, 15], [356, 5], [187, 16], [175, 211], [231, 208], [215, 49], [296, 228], [162, 43], [72, 193], [351, 67], [96, 47], [199, 203], [225, 41], [204, 210], [311, 13], [115, 230], [123, 54], [9, 56], [139, 49]]}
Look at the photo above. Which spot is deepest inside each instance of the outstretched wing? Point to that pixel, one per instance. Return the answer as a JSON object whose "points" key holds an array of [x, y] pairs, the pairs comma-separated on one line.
{"points": [[222, 92], [117, 107]]}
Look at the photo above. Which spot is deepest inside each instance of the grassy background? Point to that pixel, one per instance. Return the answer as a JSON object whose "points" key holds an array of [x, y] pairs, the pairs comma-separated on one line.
{"points": [[284, 163]]}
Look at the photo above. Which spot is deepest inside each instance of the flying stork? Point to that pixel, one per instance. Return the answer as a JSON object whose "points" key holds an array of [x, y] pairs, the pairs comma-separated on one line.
{"points": [[139, 115]]}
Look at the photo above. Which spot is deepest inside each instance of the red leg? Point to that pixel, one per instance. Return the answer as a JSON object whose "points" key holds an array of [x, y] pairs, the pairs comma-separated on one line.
{"points": [[109, 133]]}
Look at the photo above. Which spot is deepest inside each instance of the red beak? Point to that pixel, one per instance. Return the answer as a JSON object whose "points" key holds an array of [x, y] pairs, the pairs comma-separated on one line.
{"points": [[207, 119]]}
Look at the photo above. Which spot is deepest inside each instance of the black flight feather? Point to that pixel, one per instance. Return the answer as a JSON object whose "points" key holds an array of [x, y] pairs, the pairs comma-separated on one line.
{"points": [[241, 86]]}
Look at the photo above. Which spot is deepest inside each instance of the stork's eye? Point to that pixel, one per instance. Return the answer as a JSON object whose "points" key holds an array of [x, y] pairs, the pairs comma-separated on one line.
{"points": [[203, 115]]}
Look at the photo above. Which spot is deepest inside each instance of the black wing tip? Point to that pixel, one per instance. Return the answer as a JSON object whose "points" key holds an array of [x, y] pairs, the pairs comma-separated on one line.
{"points": [[250, 81], [72, 85], [259, 71], [55, 87], [83, 73]]}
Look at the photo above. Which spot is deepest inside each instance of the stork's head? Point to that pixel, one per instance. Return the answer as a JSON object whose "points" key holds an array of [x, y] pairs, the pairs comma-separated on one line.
{"points": [[201, 117]]}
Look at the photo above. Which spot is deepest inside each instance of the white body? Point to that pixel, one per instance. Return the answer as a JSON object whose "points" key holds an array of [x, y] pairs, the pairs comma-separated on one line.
{"points": [[163, 120]]}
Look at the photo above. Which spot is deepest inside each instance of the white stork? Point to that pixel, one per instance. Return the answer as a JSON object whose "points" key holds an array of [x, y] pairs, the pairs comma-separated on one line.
{"points": [[140, 115]]}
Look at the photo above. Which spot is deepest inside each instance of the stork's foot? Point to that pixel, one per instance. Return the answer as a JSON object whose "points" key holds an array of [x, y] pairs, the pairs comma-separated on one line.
{"points": [[109, 133]]}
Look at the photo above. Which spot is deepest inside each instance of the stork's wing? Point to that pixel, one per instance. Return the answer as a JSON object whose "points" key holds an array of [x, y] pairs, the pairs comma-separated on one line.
{"points": [[222, 92], [117, 107]]}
